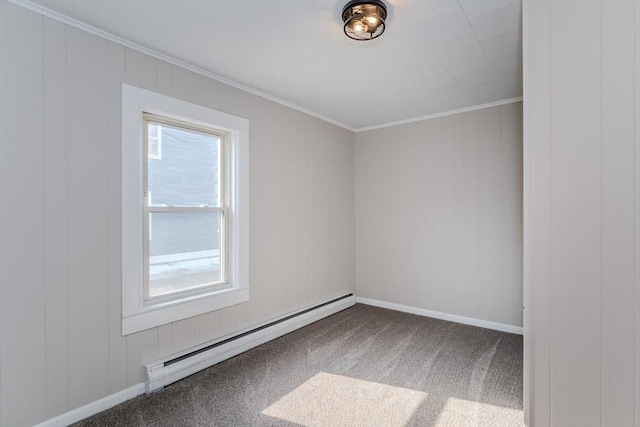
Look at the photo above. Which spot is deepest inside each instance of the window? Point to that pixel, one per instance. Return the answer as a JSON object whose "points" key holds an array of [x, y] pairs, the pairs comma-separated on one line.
{"points": [[184, 209], [188, 212]]}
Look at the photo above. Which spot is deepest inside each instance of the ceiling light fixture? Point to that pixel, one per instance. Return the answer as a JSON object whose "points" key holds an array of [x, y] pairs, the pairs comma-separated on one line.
{"points": [[364, 20]]}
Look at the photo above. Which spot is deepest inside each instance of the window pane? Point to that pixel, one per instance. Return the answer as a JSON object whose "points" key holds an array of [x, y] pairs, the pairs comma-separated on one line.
{"points": [[187, 172], [184, 251], [154, 141]]}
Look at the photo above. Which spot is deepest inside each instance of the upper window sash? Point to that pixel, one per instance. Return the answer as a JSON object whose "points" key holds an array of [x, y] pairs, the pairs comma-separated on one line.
{"points": [[178, 125]]}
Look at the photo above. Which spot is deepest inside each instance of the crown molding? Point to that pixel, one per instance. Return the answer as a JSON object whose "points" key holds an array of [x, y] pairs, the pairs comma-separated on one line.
{"points": [[163, 57], [443, 114]]}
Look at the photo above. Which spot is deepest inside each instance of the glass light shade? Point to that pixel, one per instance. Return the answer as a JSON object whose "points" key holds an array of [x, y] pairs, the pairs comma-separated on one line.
{"points": [[364, 20]]}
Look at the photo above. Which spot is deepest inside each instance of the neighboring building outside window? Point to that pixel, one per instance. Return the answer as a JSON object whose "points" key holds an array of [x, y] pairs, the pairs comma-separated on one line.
{"points": [[185, 250], [154, 141]]}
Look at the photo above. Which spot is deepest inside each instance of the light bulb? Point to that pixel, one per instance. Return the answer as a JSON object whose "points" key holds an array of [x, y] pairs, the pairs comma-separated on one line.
{"points": [[372, 20], [359, 26]]}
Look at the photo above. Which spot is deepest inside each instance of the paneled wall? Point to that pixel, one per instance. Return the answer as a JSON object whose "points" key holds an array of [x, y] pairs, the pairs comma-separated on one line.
{"points": [[60, 267], [582, 148], [439, 214]]}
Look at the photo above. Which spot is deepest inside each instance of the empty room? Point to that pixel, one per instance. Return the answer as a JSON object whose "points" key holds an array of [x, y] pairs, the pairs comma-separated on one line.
{"points": [[320, 213]]}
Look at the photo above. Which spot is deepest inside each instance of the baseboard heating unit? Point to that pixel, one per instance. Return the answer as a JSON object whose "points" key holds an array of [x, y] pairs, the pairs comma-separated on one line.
{"points": [[166, 371]]}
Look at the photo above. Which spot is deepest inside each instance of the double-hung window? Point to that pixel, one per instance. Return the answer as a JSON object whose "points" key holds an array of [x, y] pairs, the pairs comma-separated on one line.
{"points": [[185, 209]]}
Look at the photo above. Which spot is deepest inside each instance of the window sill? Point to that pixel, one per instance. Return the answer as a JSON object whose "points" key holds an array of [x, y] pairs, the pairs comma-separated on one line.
{"points": [[161, 314]]}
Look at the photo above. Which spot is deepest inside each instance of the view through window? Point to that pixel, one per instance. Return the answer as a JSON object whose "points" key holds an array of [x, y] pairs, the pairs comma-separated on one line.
{"points": [[185, 208]]}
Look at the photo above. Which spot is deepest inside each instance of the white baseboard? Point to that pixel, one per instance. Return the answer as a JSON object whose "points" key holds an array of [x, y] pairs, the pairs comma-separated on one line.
{"points": [[93, 408], [160, 375], [443, 316], [201, 361]]}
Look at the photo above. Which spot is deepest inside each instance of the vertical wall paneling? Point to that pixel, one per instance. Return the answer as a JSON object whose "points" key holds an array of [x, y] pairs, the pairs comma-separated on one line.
{"points": [[298, 195], [583, 99], [164, 78], [317, 246], [374, 190], [142, 347], [182, 335], [87, 217], [490, 218], [182, 83], [511, 211], [140, 70], [637, 208], [448, 191], [22, 256], [409, 261], [3, 57], [230, 100], [540, 213], [451, 238], [435, 199], [206, 92], [260, 126], [117, 343], [281, 156], [347, 212], [526, 240], [617, 213], [165, 340], [458, 214], [205, 329], [576, 222], [55, 214], [471, 231]]}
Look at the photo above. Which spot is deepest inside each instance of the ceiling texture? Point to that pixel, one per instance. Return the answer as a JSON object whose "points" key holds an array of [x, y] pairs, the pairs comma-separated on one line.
{"points": [[434, 57]]}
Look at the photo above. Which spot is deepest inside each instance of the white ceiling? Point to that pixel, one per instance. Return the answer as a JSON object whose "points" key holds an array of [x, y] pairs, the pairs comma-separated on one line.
{"points": [[435, 56]]}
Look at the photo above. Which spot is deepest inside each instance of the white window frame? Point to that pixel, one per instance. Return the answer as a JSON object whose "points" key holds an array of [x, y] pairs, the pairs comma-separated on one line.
{"points": [[138, 315]]}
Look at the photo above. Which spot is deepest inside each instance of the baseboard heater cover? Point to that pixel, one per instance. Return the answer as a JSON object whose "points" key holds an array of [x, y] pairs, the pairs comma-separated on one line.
{"points": [[166, 371]]}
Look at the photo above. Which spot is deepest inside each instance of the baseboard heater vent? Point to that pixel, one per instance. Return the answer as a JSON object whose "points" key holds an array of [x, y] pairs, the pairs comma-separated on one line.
{"points": [[166, 371]]}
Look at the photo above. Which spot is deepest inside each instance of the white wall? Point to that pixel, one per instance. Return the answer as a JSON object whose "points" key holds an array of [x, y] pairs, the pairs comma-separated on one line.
{"points": [[582, 146], [60, 302], [439, 214]]}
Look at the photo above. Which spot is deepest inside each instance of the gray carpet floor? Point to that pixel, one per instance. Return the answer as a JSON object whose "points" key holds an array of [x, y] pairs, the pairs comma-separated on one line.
{"points": [[364, 366]]}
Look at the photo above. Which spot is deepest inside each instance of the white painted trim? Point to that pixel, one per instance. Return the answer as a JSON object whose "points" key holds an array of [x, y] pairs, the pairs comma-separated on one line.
{"points": [[161, 56], [443, 316], [184, 256], [443, 114], [183, 308], [159, 375], [93, 408], [527, 391]]}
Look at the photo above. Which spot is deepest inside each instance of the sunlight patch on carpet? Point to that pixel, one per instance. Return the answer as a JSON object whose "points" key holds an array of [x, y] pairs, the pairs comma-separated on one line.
{"points": [[463, 413], [328, 399]]}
